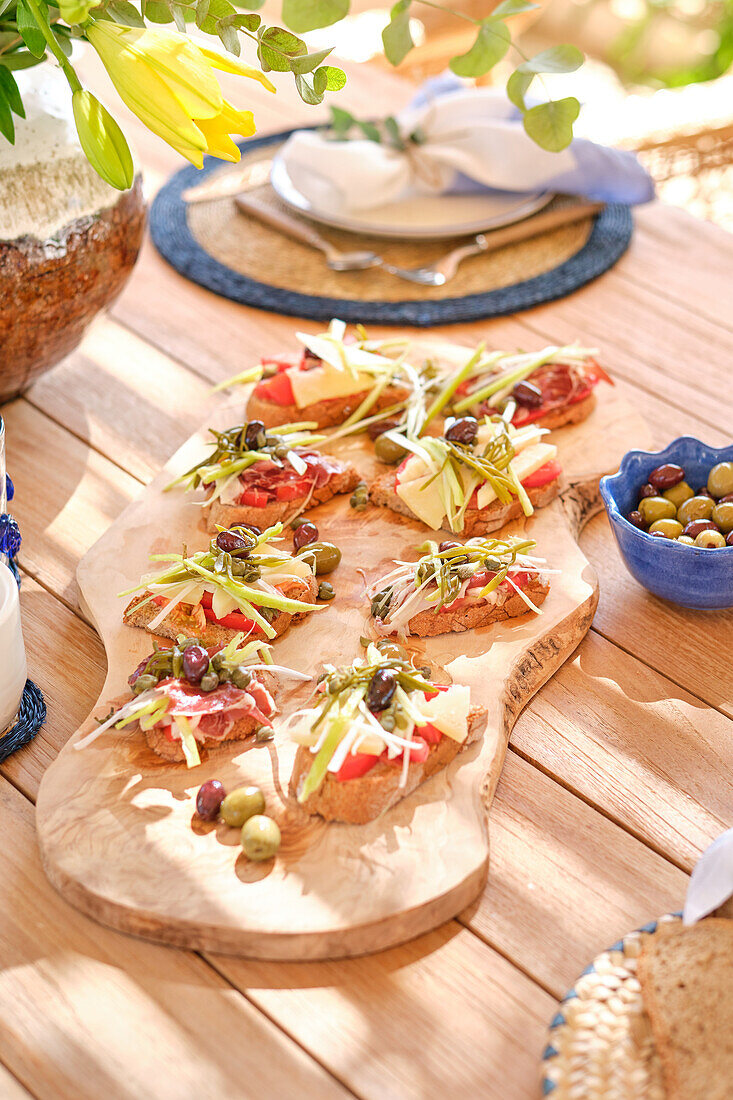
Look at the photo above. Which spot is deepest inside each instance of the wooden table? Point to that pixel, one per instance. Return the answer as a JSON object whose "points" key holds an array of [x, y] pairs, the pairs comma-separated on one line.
{"points": [[620, 771]]}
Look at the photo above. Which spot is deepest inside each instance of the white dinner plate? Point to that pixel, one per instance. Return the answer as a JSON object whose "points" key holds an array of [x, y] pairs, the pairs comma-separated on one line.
{"points": [[420, 217]]}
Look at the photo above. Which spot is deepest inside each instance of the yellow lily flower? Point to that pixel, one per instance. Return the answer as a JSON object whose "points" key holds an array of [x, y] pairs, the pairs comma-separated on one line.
{"points": [[170, 83]]}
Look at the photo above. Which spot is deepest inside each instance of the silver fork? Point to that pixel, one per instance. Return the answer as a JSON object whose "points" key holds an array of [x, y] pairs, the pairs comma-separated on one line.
{"points": [[442, 270]]}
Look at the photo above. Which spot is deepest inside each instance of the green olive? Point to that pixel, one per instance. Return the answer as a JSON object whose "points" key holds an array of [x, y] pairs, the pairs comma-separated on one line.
{"points": [[695, 508], [720, 479], [260, 837], [241, 804], [710, 539], [670, 528], [324, 556], [679, 493], [391, 649], [388, 451], [654, 508], [723, 516], [686, 540]]}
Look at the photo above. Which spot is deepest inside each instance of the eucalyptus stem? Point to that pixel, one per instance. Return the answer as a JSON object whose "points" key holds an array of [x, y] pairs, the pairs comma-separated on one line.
{"points": [[45, 29]]}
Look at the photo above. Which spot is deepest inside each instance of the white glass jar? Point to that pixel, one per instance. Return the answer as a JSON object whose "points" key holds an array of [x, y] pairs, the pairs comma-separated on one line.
{"points": [[12, 652]]}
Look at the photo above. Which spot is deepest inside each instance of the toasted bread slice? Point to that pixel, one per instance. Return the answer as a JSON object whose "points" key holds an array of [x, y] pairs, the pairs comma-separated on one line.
{"points": [[686, 976], [172, 750], [325, 414], [428, 623], [475, 521], [227, 515], [212, 634], [357, 801]]}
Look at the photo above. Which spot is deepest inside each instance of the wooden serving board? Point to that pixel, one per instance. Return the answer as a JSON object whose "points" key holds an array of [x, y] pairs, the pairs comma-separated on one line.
{"points": [[116, 824]]}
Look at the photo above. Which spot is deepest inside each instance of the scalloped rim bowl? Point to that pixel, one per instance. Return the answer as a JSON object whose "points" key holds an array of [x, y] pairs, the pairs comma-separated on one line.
{"points": [[686, 575]]}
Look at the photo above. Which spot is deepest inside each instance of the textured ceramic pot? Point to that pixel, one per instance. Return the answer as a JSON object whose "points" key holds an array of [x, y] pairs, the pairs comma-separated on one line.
{"points": [[68, 241], [686, 575]]}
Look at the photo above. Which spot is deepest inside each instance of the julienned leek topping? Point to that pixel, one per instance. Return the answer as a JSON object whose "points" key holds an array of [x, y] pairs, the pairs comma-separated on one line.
{"points": [[442, 576], [245, 580], [237, 449], [374, 707], [441, 475]]}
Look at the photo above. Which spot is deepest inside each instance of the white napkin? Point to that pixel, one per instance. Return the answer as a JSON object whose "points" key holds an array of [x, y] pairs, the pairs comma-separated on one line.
{"points": [[474, 140], [711, 882]]}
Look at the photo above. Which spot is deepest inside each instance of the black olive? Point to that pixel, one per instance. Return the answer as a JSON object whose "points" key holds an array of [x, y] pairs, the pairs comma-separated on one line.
{"points": [[209, 799], [462, 430], [254, 435], [636, 518], [382, 687], [195, 663], [304, 534], [231, 542], [527, 394], [448, 545]]}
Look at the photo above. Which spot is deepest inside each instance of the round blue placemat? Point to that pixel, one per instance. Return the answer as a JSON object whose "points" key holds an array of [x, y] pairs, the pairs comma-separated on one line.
{"points": [[171, 235], [31, 716]]}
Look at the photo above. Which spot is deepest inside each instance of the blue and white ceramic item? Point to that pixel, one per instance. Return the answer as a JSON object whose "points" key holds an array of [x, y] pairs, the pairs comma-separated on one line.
{"points": [[687, 575]]}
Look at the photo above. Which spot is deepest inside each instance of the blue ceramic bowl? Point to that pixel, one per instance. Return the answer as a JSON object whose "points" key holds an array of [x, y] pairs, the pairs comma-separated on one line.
{"points": [[686, 575]]}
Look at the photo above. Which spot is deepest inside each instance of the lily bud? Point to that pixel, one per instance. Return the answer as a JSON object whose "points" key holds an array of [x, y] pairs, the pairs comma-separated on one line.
{"points": [[75, 11], [102, 140]]}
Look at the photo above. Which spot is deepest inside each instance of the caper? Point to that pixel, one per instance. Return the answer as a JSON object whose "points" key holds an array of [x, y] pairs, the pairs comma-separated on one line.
{"points": [[225, 675], [281, 450], [260, 838], [391, 649], [654, 508], [209, 682], [144, 683], [388, 451], [241, 804], [723, 516], [424, 672], [695, 508], [710, 540], [264, 733], [670, 528], [218, 661], [465, 572], [324, 556], [326, 591], [381, 602], [388, 720], [360, 497], [679, 493], [720, 479], [241, 677]]}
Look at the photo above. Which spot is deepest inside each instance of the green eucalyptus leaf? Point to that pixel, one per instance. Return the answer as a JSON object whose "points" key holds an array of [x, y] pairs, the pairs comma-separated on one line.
{"points": [[22, 59], [558, 59], [341, 120], [492, 42], [306, 91], [62, 42], [309, 61], [370, 131], [7, 126], [212, 12], [202, 10], [335, 78], [157, 12], [512, 7], [9, 89], [393, 130], [179, 15], [517, 87], [249, 22], [276, 49], [250, 5], [397, 36], [30, 32], [550, 125], [309, 15], [122, 11], [229, 38]]}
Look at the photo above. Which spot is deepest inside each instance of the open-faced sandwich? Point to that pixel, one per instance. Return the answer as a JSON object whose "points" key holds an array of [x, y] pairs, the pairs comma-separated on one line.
{"points": [[186, 696], [333, 379], [377, 729], [551, 387], [474, 478], [457, 586], [261, 478], [243, 582]]}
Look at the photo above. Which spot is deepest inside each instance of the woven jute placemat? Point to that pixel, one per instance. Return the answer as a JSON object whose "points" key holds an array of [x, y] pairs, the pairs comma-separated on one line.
{"points": [[237, 256], [600, 1045]]}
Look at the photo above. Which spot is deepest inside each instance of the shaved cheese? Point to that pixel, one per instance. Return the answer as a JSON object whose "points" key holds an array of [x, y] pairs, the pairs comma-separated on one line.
{"points": [[527, 462], [297, 463], [428, 505], [448, 711], [326, 382]]}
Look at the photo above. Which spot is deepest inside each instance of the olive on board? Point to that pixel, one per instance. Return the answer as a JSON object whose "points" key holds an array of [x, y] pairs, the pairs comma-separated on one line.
{"points": [[720, 479], [241, 804], [260, 837], [324, 555], [654, 508], [382, 687], [209, 799], [679, 493], [695, 508], [304, 534], [388, 451]]}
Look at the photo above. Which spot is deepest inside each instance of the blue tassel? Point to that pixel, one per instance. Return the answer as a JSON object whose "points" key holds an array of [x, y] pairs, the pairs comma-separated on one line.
{"points": [[31, 716], [10, 537], [9, 488]]}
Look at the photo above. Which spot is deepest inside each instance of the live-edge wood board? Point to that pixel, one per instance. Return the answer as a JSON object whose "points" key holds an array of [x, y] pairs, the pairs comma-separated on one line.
{"points": [[116, 825]]}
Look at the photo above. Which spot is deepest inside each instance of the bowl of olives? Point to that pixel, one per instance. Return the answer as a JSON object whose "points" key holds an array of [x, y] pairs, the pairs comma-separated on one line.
{"points": [[671, 514]]}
